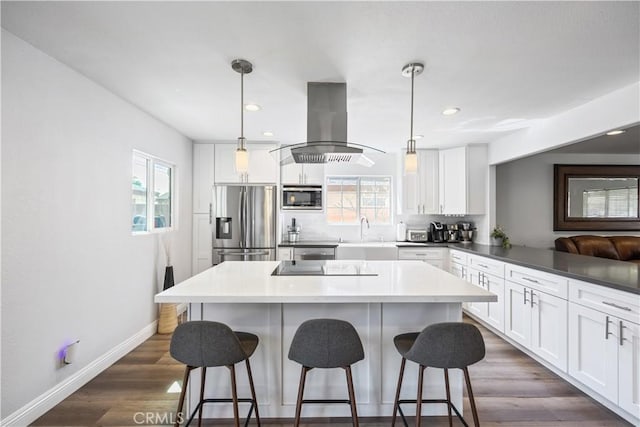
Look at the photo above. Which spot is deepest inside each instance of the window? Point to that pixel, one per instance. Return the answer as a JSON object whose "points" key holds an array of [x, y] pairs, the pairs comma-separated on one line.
{"points": [[152, 194], [611, 203], [350, 198]]}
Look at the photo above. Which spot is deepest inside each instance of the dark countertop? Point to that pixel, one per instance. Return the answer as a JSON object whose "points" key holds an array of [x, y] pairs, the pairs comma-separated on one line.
{"points": [[614, 274]]}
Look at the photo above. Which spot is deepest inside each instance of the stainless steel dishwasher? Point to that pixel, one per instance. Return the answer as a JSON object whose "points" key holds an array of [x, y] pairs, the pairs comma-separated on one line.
{"points": [[314, 253]]}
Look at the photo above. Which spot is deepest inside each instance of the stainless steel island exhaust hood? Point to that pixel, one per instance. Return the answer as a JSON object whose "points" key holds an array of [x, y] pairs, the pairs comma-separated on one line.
{"points": [[326, 130]]}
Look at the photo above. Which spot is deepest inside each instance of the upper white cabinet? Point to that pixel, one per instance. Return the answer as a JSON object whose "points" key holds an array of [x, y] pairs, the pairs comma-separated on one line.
{"points": [[420, 190], [296, 173], [203, 177], [263, 167], [462, 180]]}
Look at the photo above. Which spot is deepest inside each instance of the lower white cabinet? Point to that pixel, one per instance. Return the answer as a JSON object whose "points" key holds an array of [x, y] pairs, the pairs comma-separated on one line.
{"points": [[433, 256], [202, 243], [605, 355], [491, 312], [537, 321]]}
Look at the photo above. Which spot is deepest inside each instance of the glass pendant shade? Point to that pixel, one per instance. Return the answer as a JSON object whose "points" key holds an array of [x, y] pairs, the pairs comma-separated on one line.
{"points": [[242, 157], [411, 159]]}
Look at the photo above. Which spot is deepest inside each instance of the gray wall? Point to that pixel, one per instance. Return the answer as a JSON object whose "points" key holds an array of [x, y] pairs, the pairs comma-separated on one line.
{"points": [[524, 196], [70, 267]]}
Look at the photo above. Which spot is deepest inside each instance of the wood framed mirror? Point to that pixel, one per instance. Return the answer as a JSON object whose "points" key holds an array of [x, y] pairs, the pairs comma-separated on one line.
{"points": [[596, 197]]}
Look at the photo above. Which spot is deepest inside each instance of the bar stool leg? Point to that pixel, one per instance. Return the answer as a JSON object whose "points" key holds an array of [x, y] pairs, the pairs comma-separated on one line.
{"points": [[395, 403], [303, 376], [253, 391], [185, 381], [202, 382], [352, 397], [471, 399], [234, 395], [446, 383], [419, 399]]}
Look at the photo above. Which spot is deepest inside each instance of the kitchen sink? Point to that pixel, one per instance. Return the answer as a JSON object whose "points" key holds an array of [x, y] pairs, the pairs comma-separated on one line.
{"points": [[374, 250]]}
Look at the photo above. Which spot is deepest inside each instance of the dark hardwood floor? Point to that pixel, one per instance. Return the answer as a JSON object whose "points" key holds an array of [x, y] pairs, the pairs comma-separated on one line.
{"points": [[511, 389]]}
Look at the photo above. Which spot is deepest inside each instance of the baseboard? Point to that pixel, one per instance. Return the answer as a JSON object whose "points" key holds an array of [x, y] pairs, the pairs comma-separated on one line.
{"points": [[43, 403]]}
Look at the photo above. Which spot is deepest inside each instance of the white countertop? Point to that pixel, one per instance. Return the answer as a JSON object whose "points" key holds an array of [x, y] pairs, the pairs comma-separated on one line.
{"points": [[252, 282]]}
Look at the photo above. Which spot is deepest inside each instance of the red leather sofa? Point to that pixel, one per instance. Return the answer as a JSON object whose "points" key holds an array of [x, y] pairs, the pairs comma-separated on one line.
{"points": [[623, 248]]}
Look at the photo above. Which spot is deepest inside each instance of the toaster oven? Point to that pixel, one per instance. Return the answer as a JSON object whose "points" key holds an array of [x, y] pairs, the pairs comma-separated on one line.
{"points": [[417, 235]]}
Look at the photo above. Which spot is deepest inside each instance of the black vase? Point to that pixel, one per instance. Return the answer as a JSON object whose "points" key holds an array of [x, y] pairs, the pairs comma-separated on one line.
{"points": [[168, 277]]}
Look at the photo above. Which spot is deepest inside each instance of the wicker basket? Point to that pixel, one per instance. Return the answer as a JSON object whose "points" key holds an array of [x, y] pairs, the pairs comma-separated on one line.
{"points": [[168, 318]]}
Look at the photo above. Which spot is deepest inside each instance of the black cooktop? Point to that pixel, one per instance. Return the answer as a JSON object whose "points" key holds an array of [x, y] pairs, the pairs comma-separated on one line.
{"points": [[323, 268]]}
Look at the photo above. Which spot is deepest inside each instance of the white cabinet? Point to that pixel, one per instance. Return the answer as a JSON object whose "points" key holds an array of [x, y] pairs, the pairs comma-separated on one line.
{"points": [[433, 256], [302, 174], [489, 275], [420, 190], [203, 177], [202, 243], [285, 254], [537, 321], [263, 166], [604, 343], [462, 178]]}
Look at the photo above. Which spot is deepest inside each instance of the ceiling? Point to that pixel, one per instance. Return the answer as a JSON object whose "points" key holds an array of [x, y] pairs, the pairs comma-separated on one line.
{"points": [[625, 143], [507, 65]]}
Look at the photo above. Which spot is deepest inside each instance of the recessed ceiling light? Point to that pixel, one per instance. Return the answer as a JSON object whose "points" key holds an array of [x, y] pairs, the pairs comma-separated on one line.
{"points": [[267, 133], [450, 111], [252, 107], [616, 132], [418, 136]]}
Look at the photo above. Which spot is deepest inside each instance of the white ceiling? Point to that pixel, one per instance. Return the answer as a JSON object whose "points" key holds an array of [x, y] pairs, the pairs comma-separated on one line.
{"points": [[506, 64]]}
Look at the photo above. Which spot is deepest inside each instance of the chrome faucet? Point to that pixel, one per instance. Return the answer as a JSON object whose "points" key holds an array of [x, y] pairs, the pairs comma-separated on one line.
{"points": [[363, 219]]}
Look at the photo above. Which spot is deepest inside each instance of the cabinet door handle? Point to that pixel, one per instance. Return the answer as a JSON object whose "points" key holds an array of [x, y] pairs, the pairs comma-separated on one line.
{"points": [[483, 266], [616, 306], [464, 272], [530, 280], [606, 329], [532, 303], [622, 339], [210, 213], [525, 296]]}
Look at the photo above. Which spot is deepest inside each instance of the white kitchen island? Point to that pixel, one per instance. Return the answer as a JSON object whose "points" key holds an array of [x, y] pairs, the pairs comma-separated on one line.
{"points": [[396, 297]]}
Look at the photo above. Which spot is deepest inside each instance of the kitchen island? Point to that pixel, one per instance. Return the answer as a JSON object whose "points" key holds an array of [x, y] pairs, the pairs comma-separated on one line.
{"points": [[384, 299]]}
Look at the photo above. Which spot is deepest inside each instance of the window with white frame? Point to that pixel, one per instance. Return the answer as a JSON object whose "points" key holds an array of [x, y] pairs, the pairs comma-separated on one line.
{"points": [[351, 197], [152, 194], [610, 203]]}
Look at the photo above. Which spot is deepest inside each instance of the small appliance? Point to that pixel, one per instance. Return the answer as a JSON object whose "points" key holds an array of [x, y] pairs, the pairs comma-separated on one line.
{"points": [[302, 197], [453, 234], [293, 232], [417, 235], [437, 232]]}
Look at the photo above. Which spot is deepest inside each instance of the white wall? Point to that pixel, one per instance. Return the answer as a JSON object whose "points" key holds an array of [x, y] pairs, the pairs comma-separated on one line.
{"points": [[70, 267], [524, 196], [612, 111]]}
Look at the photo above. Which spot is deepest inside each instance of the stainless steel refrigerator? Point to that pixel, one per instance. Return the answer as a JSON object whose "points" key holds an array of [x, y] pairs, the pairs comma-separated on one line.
{"points": [[245, 223]]}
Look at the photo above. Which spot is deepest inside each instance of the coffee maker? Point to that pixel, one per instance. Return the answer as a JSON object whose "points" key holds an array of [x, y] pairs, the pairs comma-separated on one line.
{"points": [[437, 232]]}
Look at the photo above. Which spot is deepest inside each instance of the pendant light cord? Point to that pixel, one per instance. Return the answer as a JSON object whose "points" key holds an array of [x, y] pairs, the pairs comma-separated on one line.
{"points": [[242, 104], [413, 73]]}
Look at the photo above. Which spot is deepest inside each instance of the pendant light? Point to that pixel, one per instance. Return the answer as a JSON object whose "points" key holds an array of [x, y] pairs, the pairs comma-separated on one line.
{"points": [[242, 157], [411, 157]]}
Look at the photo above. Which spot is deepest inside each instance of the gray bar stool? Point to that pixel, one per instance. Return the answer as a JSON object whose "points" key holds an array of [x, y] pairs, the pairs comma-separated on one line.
{"points": [[326, 343], [203, 344], [442, 345]]}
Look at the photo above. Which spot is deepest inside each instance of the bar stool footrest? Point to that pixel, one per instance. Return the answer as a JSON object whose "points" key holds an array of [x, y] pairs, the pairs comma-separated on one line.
{"points": [[445, 401], [326, 401], [224, 400]]}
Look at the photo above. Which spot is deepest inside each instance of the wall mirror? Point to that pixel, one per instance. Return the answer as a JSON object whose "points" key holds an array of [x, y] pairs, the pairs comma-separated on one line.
{"points": [[596, 197]]}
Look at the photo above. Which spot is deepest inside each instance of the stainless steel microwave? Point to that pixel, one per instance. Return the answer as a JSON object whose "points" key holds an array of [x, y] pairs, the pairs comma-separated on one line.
{"points": [[302, 197]]}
